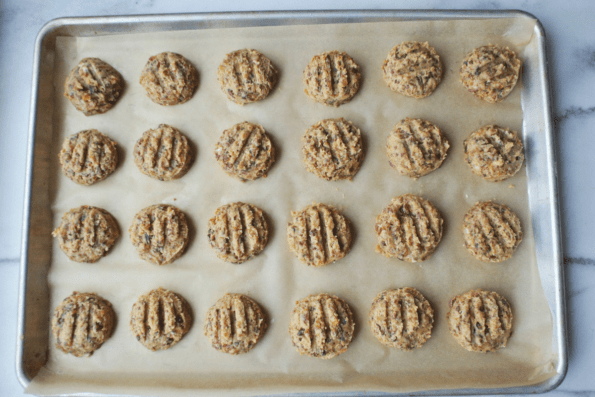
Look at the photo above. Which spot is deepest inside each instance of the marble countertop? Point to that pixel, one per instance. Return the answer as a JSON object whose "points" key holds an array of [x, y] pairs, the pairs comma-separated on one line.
{"points": [[570, 37]]}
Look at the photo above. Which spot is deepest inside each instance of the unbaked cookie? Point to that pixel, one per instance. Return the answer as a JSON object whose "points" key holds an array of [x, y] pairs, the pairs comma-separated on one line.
{"points": [[401, 318], [413, 69], [169, 79], [492, 231], [321, 326], [159, 233], [333, 149], [480, 321], [82, 323], [88, 157], [238, 232], [163, 153], [234, 324], [332, 78], [319, 235], [494, 153], [245, 151], [160, 319], [416, 147], [410, 228], [86, 233], [246, 76], [490, 72], [93, 86]]}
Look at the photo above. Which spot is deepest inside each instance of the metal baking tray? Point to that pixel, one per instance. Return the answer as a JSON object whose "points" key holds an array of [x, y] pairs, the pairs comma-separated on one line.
{"points": [[33, 321]]}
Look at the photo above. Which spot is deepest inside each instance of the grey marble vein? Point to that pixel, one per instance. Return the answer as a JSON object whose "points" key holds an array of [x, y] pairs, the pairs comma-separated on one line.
{"points": [[578, 261]]}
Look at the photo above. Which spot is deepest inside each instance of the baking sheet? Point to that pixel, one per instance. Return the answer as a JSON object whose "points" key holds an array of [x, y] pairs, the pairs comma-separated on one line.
{"points": [[276, 278]]}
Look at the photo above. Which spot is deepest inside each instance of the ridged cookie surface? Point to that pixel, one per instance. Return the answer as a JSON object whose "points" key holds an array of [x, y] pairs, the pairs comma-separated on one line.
{"points": [[238, 232], [494, 153], [160, 319], [169, 79], [401, 318], [244, 151], [163, 153], [410, 228], [319, 235], [413, 69], [82, 323], [333, 149], [246, 76], [492, 231], [321, 326], [234, 324], [332, 78], [86, 233], [490, 72], [416, 147], [159, 233], [480, 321], [88, 157], [93, 86]]}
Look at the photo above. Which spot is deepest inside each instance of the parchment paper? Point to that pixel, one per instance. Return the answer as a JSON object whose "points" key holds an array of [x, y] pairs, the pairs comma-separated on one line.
{"points": [[276, 279]]}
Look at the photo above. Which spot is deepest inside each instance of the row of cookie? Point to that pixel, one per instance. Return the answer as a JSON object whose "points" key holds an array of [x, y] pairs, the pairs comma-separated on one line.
{"points": [[332, 150], [409, 229], [333, 78], [321, 325]]}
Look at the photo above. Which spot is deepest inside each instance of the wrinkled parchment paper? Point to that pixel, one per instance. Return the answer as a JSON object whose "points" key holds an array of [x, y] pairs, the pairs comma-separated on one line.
{"points": [[276, 279]]}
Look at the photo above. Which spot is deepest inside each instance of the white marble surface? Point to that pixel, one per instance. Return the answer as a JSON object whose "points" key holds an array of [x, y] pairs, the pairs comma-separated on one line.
{"points": [[570, 36]]}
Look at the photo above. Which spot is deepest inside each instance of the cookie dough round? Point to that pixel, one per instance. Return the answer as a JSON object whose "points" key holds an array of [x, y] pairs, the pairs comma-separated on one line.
{"points": [[416, 147], [88, 157], [321, 326], [160, 319], [163, 153], [93, 86], [413, 69], [319, 235], [490, 72], [169, 79], [332, 78], [245, 151], [480, 321], [333, 149], [238, 232], [82, 323], [410, 229], [235, 324], [159, 233], [492, 231], [494, 153], [246, 76], [401, 318], [86, 233]]}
